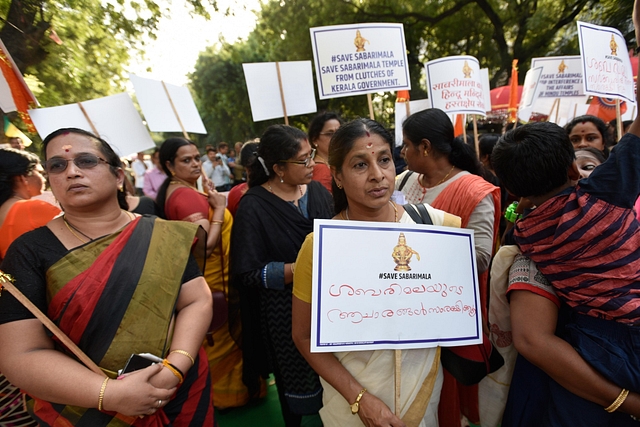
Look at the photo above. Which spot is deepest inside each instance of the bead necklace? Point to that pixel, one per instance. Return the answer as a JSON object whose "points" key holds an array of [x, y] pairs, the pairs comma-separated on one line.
{"points": [[393, 205]]}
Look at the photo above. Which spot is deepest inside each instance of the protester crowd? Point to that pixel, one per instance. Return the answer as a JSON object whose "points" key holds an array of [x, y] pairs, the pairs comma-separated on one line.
{"points": [[205, 261]]}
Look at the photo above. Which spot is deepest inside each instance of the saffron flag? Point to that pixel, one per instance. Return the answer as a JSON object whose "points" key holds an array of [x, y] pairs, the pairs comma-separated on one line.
{"points": [[605, 108], [14, 92], [402, 96], [458, 128], [513, 93]]}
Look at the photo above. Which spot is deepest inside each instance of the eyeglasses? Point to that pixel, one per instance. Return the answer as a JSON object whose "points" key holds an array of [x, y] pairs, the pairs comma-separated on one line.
{"points": [[83, 161], [306, 162], [329, 134]]}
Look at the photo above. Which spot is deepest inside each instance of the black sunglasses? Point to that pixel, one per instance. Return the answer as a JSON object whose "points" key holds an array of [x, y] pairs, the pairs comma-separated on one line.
{"points": [[306, 162], [82, 161]]}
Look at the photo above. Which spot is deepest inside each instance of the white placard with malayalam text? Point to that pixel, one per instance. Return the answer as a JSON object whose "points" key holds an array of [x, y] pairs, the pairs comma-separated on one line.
{"points": [[455, 85], [605, 62], [357, 59], [361, 301]]}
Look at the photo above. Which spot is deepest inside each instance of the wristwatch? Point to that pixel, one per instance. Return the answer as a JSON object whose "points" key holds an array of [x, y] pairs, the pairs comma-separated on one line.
{"points": [[355, 406], [510, 214]]}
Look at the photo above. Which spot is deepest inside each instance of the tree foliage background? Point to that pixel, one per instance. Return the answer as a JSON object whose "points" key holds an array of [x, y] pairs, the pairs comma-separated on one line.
{"points": [[494, 31], [99, 37]]}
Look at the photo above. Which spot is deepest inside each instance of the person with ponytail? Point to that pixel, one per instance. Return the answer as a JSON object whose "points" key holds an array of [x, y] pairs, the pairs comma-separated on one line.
{"points": [[445, 173], [273, 219]]}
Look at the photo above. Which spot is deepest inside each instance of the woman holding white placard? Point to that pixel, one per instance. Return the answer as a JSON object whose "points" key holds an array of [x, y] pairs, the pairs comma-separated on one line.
{"points": [[362, 382]]}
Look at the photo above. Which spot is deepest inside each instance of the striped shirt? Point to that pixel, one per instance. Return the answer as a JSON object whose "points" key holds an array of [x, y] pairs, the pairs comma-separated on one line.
{"points": [[586, 240]]}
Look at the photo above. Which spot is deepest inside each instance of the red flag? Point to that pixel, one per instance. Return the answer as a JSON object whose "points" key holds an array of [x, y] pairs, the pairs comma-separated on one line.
{"points": [[513, 93], [402, 96], [605, 108]]}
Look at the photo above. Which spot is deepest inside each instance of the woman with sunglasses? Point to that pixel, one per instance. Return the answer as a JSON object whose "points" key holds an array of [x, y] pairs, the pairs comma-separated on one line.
{"points": [[116, 284], [180, 200], [321, 129], [271, 222]]}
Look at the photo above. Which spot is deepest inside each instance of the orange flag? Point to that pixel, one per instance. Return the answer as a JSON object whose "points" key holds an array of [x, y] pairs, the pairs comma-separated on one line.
{"points": [[513, 93], [458, 127], [605, 108], [402, 96], [20, 93]]}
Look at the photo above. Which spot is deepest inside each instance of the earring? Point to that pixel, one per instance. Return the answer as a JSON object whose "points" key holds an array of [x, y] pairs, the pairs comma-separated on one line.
{"points": [[281, 180], [121, 187], [173, 173], [339, 186], [426, 153]]}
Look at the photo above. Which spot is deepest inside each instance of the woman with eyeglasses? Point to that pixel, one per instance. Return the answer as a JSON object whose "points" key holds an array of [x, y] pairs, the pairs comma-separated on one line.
{"points": [[271, 222], [321, 129], [116, 284]]}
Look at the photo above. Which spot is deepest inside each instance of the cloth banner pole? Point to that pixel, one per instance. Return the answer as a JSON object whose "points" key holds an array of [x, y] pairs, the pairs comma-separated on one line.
{"points": [[284, 104], [86, 116], [558, 110], [175, 112]]}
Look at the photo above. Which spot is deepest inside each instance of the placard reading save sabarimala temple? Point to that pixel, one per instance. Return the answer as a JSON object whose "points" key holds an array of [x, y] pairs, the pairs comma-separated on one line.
{"points": [[393, 286], [360, 58]]}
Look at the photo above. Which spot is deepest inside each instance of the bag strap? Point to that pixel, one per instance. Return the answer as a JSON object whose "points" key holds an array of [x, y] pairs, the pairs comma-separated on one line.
{"points": [[424, 214], [418, 213], [6, 281], [404, 180]]}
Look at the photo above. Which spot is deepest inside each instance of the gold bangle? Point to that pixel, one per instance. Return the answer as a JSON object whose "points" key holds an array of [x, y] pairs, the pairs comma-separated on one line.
{"points": [[618, 402], [175, 371], [101, 395], [184, 353], [216, 221]]}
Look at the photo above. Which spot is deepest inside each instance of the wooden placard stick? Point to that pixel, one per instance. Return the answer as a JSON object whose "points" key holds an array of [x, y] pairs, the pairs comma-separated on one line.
{"points": [[6, 283], [408, 107], [175, 112], [618, 119], [284, 104], [575, 110], [370, 102], [398, 376], [86, 116], [464, 128], [553, 106], [476, 139], [558, 110]]}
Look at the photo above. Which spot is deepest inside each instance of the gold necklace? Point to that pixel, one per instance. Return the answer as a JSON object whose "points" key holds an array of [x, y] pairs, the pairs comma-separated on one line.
{"points": [[72, 228], [393, 205], [175, 181], [446, 176]]}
